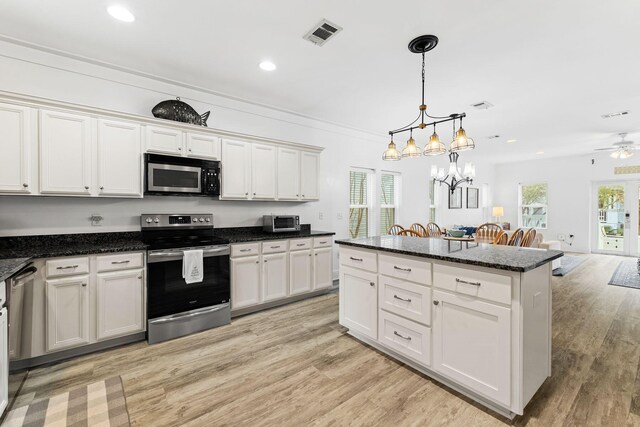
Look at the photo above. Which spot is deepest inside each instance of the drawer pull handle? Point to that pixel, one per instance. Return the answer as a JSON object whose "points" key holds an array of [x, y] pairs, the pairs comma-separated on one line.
{"points": [[401, 336], [467, 283], [402, 269], [402, 299], [66, 267], [300, 244], [245, 250], [355, 259], [322, 243], [126, 261], [274, 247]]}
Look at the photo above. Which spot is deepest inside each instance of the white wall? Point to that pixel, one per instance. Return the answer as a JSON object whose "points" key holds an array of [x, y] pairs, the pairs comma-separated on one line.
{"points": [[33, 72], [570, 182]]}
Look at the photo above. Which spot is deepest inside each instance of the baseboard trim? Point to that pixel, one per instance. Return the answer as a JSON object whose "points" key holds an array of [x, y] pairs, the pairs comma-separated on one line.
{"points": [[277, 303]]}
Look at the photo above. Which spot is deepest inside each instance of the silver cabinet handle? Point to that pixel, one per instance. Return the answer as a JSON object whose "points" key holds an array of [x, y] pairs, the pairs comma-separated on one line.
{"points": [[246, 194], [401, 336], [257, 262], [303, 195], [102, 187], [86, 187], [84, 285], [297, 195], [190, 150], [322, 243], [355, 259], [402, 269], [402, 299], [25, 185], [436, 302], [274, 247], [372, 283], [121, 262], [467, 283], [300, 244], [245, 250], [265, 260], [66, 267], [139, 277], [179, 148]]}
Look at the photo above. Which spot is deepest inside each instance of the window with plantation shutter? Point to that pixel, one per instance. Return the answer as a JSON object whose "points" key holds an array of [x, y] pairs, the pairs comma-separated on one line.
{"points": [[359, 203], [389, 183]]}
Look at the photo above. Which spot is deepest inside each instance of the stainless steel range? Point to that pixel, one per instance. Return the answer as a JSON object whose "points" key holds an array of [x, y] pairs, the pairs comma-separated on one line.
{"points": [[175, 308]]}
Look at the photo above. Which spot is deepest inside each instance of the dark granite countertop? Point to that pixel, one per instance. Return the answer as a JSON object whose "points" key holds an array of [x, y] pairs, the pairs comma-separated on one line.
{"points": [[10, 266], [481, 254], [255, 234], [56, 245]]}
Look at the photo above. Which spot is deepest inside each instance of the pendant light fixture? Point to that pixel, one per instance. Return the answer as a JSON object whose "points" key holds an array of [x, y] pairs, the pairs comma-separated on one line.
{"points": [[435, 147]]}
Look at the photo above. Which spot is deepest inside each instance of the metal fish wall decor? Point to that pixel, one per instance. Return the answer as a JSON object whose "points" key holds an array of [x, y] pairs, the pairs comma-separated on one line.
{"points": [[178, 111]]}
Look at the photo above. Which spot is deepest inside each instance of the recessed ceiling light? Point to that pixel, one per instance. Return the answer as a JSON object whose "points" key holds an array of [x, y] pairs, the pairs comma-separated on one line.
{"points": [[121, 13], [511, 141], [540, 152], [267, 65]]}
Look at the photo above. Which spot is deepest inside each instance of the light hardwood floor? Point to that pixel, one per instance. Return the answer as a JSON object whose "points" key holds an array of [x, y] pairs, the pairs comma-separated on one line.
{"points": [[295, 366]]}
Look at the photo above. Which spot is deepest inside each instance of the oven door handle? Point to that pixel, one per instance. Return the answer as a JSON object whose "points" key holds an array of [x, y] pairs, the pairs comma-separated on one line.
{"points": [[181, 253], [188, 315]]}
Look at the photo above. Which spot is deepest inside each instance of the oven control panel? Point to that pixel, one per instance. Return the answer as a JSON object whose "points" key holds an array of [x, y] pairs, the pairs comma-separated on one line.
{"points": [[175, 220]]}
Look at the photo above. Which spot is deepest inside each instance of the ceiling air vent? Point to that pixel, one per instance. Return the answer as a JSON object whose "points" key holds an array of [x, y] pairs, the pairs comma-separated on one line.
{"points": [[619, 113], [484, 105], [322, 32]]}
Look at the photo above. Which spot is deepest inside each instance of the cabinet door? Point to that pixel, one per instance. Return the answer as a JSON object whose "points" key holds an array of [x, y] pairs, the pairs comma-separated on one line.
{"points": [[359, 301], [300, 272], [66, 141], [17, 138], [119, 158], [275, 277], [288, 174], [472, 344], [309, 168], [236, 169], [263, 171], [67, 312], [4, 361], [245, 281], [203, 146], [120, 307], [322, 268], [164, 140]]}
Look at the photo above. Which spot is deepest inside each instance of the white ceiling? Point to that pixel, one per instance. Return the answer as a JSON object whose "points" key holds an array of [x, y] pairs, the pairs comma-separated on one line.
{"points": [[550, 67]]}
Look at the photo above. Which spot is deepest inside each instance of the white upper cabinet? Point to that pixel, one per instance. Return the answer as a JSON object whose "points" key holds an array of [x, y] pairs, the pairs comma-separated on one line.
{"points": [[119, 158], [66, 142], [18, 134], [309, 169], [288, 174], [263, 172], [164, 140], [236, 169], [203, 146]]}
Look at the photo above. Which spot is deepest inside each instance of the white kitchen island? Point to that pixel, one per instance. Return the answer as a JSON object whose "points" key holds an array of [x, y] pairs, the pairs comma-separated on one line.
{"points": [[476, 317]]}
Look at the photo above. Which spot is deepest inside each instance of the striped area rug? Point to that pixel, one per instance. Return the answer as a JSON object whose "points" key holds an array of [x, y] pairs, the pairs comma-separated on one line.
{"points": [[98, 404]]}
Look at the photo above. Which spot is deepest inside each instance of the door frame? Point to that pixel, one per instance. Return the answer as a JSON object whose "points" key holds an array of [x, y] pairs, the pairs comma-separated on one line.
{"points": [[631, 223]]}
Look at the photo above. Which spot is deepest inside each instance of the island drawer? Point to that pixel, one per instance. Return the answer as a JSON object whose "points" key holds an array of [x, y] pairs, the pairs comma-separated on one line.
{"points": [[359, 259], [405, 337], [274, 247], [67, 266], [405, 299], [322, 242], [119, 261], [489, 286], [245, 249], [405, 268], [299, 244]]}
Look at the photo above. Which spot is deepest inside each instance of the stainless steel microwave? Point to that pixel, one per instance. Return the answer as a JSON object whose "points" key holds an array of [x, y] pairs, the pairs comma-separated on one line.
{"points": [[280, 223], [180, 176]]}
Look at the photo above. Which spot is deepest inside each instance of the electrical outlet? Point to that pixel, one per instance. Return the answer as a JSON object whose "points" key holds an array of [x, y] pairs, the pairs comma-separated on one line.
{"points": [[320, 215], [339, 216], [562, 237], [96, 220]]}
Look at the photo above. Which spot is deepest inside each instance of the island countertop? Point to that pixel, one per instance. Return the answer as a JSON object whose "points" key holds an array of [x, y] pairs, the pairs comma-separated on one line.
{"points": [[481, 254]]}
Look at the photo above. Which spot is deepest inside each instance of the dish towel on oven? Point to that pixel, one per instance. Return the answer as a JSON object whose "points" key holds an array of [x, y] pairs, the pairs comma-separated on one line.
{"points": [[192, 268]]}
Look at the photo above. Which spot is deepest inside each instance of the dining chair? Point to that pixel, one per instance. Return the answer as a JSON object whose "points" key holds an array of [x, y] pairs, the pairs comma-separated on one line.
{"points": [[409, 232], [433, 230], [488, 231], [528, 238], [419, 228], [516, 238], [501, 239], [395, 229]]}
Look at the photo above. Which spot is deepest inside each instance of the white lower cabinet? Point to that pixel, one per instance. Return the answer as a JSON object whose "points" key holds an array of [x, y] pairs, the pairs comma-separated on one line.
{"points": [[67, 311], [275, 277], [359, 301], [245, 281], [120, 297], [300, 272], [322, 268], [4, 359], [472, 345], [405, 337]]}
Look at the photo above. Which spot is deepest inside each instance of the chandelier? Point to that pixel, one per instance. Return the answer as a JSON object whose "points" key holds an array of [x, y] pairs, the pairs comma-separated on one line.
{"points": [[435, 147]]}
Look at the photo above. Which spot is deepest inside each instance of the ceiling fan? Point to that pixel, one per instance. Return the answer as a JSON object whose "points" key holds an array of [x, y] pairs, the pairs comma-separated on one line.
{"points": [[621, 149]]}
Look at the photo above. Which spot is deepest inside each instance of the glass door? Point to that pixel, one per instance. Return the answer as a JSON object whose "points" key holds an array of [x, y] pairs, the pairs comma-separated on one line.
{"points": [[617, 218]]}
